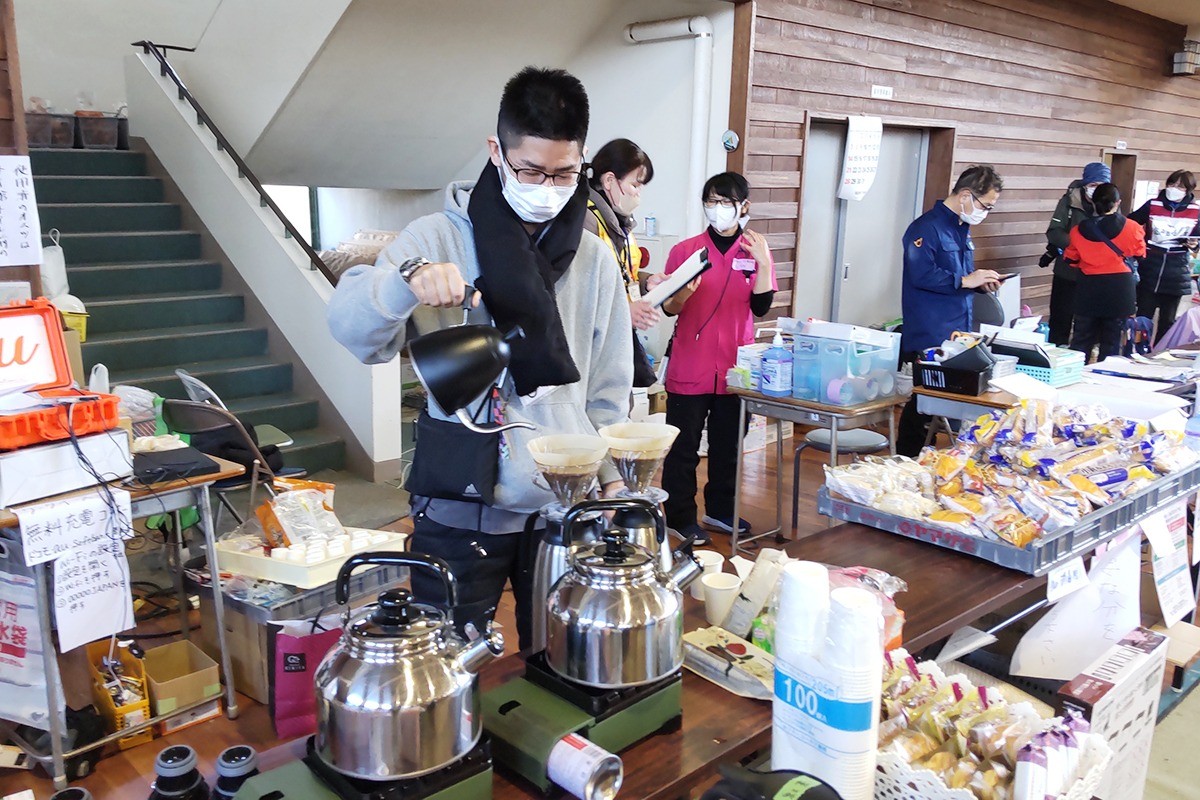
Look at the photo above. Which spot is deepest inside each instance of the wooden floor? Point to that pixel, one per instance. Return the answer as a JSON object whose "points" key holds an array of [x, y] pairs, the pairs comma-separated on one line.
{"points": [[127, 775]]}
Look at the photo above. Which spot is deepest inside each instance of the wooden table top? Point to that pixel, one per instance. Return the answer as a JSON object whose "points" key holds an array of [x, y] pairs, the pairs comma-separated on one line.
{"points": [[988, 399], [227, 469], [946, 590], [843, 411]]}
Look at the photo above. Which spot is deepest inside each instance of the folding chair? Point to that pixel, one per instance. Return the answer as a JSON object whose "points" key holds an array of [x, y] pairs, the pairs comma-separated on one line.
{"points": [[190, 417], [201, 392]]}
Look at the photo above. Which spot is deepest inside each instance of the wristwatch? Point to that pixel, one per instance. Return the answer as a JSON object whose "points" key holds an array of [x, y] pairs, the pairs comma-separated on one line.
{"points": [[410, 267]]}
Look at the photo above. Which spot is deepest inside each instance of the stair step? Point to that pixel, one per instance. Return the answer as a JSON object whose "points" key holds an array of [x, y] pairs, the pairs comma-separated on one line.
{"points": [[109, 280], [161, 311], [129, 248], [87, 162], [173, 346], [288, 412], [105, 217], [314, 451], [230, 378], [97, 189]]}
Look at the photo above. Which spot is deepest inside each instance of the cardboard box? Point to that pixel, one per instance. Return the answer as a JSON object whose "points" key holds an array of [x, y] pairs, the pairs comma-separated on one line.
{"points": [[194, 717], [44, 470], [75, 356], [658, 399], [248, 648], [1119, 695], [180, 674]]}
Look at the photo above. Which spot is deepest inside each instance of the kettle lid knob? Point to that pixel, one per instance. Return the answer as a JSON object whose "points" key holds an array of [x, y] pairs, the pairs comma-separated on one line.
{"points": [[394, 608]]}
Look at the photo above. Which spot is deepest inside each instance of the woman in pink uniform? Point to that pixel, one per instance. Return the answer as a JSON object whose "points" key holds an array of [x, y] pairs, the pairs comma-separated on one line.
{"points": [[716, 315]]}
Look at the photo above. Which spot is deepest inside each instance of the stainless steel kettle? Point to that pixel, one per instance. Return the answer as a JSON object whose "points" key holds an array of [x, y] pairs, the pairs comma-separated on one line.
{"points": [[397, 696], [616, 618]]}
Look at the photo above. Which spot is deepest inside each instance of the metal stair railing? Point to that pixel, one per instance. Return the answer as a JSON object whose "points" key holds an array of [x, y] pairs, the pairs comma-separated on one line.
{"points": [[244, 172]]}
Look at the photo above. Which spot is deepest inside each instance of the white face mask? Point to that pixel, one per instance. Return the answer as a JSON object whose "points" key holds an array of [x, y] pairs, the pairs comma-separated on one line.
{"points": [[532, 202], [1175, 194], [1088, 191], [624, 203], [722, 218], [972, 215]]}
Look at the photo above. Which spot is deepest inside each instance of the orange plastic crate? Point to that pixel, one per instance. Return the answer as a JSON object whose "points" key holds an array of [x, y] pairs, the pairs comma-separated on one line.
{"points": [[33, 357]]}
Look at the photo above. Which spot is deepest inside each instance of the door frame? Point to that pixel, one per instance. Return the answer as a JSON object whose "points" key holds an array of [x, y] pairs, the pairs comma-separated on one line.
{"points": [[1125, 163], [938, 171]]}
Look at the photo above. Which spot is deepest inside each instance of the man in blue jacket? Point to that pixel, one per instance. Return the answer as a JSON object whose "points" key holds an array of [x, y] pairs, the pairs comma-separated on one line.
{"points": [[940, 279]]}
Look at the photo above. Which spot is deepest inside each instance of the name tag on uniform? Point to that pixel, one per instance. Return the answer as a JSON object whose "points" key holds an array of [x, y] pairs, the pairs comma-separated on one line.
{"points": [[745, 264]]}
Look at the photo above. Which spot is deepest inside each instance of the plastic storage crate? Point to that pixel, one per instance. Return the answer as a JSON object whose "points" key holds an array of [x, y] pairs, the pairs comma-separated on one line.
{"points": [[50, 130], [932, 375], [116, 717], [1041, 555], [96, 133], [1066, 369]]}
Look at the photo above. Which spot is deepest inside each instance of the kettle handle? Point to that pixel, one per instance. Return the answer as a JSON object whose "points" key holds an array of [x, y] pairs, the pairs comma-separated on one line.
{"points": [[614, 504], [396, 559]]}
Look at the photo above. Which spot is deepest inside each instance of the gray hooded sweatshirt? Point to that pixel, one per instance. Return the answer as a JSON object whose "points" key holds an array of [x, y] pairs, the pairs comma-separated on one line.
{"points": [[373, 312]]}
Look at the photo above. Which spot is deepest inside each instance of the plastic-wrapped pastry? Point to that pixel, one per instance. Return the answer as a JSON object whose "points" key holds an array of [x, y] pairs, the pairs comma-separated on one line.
{"points": [[906, 504]]}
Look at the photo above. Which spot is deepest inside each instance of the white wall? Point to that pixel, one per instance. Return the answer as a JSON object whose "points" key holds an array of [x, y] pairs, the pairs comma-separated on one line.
{"points": [[68, 46], [342, 212], [249, 53]]}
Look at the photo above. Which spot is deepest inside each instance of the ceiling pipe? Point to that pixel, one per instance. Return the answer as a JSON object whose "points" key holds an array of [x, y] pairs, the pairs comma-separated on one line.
{"points": [[700, 30]]}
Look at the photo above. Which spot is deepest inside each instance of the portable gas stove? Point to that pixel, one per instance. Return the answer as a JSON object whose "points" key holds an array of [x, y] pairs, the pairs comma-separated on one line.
{"points": [[527, 716], [469, 778]]}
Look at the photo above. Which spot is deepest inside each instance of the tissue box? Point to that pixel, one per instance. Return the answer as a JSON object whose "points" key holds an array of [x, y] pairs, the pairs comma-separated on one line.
{"points": [[1119, 694]]}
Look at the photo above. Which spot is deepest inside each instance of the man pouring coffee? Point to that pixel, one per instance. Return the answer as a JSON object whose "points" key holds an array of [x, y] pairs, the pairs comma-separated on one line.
{"points": [[515, 240]]}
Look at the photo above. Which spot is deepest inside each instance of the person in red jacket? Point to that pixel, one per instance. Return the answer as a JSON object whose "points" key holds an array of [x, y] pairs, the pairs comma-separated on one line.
{"points": [[1104, 248]]}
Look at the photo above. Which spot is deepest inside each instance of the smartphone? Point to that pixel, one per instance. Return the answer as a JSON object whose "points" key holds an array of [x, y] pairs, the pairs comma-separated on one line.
{"points": [[1003, 278]]}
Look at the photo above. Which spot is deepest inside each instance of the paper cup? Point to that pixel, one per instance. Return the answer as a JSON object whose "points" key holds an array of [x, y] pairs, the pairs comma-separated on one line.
{"points": [[710, 561], [720, 590]]}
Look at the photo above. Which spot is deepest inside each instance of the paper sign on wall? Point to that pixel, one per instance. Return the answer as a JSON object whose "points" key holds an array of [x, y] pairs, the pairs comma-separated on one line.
{"points": [[864, 138], [20, 230]]}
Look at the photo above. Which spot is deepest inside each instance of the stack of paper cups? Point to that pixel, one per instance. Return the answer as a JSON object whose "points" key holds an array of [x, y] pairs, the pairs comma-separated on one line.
{"points": [[803, 609]]}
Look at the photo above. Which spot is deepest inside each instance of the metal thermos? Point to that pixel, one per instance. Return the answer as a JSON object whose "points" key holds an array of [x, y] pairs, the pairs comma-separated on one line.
{"points": [[397, 696], [235, 766], [72, 793], [177, 775], [640, 526], [616, 618], [551, 563]]}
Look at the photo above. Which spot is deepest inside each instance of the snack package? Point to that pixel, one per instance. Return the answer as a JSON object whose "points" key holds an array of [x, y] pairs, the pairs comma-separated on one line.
{"points": [[300, 516]]}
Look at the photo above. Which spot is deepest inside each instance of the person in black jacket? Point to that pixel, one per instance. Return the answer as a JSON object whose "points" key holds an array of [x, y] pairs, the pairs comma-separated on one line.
{"points": [[1169, 220], [1074, 207]]}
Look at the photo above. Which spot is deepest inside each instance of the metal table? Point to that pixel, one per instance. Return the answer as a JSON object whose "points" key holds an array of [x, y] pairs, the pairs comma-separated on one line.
{"points": [[168, 497], [802, 412]]}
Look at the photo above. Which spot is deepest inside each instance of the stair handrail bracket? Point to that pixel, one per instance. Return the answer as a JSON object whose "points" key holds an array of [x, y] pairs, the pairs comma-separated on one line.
{"points": [[158, 51]]}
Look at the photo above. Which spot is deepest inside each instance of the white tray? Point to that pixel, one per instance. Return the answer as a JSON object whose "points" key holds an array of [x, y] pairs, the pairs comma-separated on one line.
{"points": [[306, 576]]}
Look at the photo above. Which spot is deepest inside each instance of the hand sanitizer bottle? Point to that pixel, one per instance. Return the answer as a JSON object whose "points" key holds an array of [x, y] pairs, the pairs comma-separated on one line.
{"points": [[777, 369]]}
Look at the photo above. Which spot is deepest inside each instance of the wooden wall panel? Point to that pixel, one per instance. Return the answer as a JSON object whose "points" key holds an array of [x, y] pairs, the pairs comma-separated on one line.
{"points": [[1036, 87]]}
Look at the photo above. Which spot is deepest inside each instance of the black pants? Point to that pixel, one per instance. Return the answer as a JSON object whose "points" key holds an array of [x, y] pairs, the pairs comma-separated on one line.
{"points": [[688, 412], [1149, 301], [1103, 331], [483, 563], [1062, 310], [913, 426]]}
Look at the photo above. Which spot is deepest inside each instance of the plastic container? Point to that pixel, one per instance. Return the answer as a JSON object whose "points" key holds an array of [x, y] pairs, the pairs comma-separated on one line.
{"points": [[932, 375], [1066, 367], [806, 368], [33, 353], [50, 130], [303, 573], [777, 369], [96, 133], [116, 717], [76, 321]]}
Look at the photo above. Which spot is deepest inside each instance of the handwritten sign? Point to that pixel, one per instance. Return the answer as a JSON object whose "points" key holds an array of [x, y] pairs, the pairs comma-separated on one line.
{"points": [[49, 530], [92, 593], [864, 138], [20, 231], [1066, 578]]}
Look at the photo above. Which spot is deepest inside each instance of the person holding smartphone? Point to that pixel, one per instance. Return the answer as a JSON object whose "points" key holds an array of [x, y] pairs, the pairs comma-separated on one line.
{"points": [[716, 316]]}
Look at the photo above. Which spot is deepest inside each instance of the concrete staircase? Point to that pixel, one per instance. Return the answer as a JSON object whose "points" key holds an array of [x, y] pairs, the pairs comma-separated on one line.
{"points": [[156, 305]]}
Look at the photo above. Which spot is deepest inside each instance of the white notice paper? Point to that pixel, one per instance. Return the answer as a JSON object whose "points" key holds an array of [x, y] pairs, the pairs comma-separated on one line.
{"points": [[20, 231], [1066, 578], [48, 530], [1158, 534], [91, 593], [864, 138], [1083, 625], [1172, 578]]}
